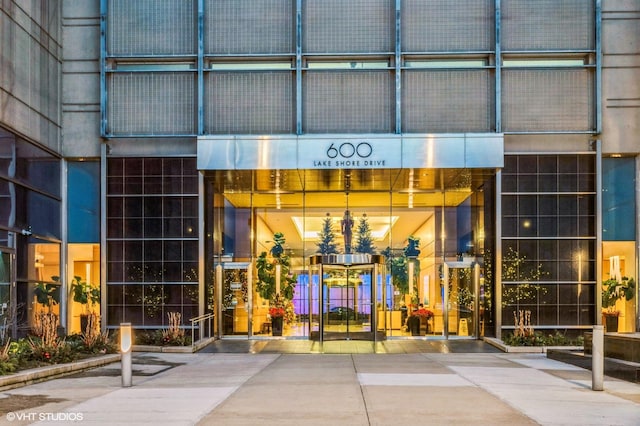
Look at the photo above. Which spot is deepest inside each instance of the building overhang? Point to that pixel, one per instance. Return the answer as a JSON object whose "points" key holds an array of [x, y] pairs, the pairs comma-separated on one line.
{"points": [[451, 150]]}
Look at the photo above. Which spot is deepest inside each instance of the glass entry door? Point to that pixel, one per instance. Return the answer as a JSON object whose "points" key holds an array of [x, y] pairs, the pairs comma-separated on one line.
{"points": [[234, 299], [461, 312], [347, 302]]}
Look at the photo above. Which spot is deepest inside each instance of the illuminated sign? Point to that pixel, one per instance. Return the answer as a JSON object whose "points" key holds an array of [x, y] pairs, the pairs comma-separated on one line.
{"points": [[349, 154]]}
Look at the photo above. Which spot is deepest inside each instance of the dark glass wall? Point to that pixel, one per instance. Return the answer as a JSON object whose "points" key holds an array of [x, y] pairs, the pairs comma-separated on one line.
{"points": [[549, 239], [30, 214], [152, 240]]}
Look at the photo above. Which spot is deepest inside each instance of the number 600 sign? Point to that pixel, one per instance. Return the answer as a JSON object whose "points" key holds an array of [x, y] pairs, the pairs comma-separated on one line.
{"points": [[348, 150]]}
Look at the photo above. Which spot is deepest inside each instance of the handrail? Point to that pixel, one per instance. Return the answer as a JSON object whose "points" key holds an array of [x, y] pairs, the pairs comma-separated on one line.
{"points": [[199, 319]]}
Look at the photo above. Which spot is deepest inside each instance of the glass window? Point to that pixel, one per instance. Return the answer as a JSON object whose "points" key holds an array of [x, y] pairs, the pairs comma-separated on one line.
{"points": [[26, 163], [147, 66], [543, 62], [83, 193], [618, 199], [347, 65], [251, 66], [445, 63]]}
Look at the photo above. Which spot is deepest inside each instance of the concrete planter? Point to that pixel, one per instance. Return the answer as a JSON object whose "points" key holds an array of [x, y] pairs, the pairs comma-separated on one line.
{"points": [[527, 349]]}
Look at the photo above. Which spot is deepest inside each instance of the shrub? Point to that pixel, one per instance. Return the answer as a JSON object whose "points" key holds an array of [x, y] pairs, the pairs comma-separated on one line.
{"points": [[162, 338], [52, 352], [540, 339], [8, 362]]}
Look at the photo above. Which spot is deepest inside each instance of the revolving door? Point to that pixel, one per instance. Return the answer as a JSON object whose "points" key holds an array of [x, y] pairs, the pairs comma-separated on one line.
{"points": [[345, 297]]}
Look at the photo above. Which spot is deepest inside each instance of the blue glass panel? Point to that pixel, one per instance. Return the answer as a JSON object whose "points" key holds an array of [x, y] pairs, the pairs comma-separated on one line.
{"points": [[84, 202], [43, 214], [618, 199]]}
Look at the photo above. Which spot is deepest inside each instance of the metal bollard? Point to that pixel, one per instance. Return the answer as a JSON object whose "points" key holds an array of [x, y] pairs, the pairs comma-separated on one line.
{"points": [[126, 343], [597, 358]]}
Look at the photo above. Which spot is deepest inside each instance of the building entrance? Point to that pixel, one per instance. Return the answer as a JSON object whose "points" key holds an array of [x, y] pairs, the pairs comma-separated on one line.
{"points": [[234, 305], [352, 253], [346, 306]]}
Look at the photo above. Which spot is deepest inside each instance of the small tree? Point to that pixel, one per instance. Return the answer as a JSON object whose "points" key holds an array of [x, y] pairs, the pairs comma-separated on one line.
{"points": [[526, 290], [364, 242], [397, 267], [267, 267], [327, 236]]}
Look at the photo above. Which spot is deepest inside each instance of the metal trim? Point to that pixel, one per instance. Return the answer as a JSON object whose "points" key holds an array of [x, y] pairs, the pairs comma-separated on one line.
{"points": [[598, 89], [464, 150], [398, 67], [497, 264], [498, 76], [103, 236], [598, 286], [200, 69], [298, 67], [103, 65]]}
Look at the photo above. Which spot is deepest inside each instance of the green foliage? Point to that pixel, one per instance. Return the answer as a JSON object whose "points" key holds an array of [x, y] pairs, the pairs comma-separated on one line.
{"points": [[267, 267], [327, 236], [162, 338], [55, 352], [614, 290], [32, 352], [93, 344], [540, 339], [364, 241], [84, 292], [46, 293], [412, 248], [397, 266], [8, 362]]}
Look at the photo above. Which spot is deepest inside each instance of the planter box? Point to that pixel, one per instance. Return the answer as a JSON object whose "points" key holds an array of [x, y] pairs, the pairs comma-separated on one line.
{"points": [[623, 346], [40, 374], [527, 349]]}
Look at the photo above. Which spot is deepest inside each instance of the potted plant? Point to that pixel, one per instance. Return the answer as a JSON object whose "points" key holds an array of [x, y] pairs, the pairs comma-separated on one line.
{"points": [[88, 296], [612, 291], [399, 265], [272, 270], [276, 313]]}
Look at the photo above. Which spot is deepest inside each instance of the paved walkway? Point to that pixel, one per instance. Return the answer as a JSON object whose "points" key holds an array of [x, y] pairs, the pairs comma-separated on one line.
{"points": [[476, 386]]}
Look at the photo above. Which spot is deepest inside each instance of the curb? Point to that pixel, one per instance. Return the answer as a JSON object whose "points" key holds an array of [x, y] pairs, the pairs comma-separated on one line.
{"points": [[40, 374]]}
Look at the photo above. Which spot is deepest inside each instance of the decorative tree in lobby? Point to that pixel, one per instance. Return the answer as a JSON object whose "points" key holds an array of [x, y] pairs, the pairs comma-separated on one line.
{"points": [[364, 242], [327, 237], [268, 269]]}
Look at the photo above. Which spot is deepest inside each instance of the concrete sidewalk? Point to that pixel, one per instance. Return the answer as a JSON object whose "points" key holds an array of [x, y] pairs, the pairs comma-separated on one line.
{"points": [[321, 389]]}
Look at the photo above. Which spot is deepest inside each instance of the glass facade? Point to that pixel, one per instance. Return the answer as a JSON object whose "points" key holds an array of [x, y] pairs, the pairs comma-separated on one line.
{"points": [[176, 72], [549, 240], [152, 240], [30, 217], [297, 68], [355, 213]]}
